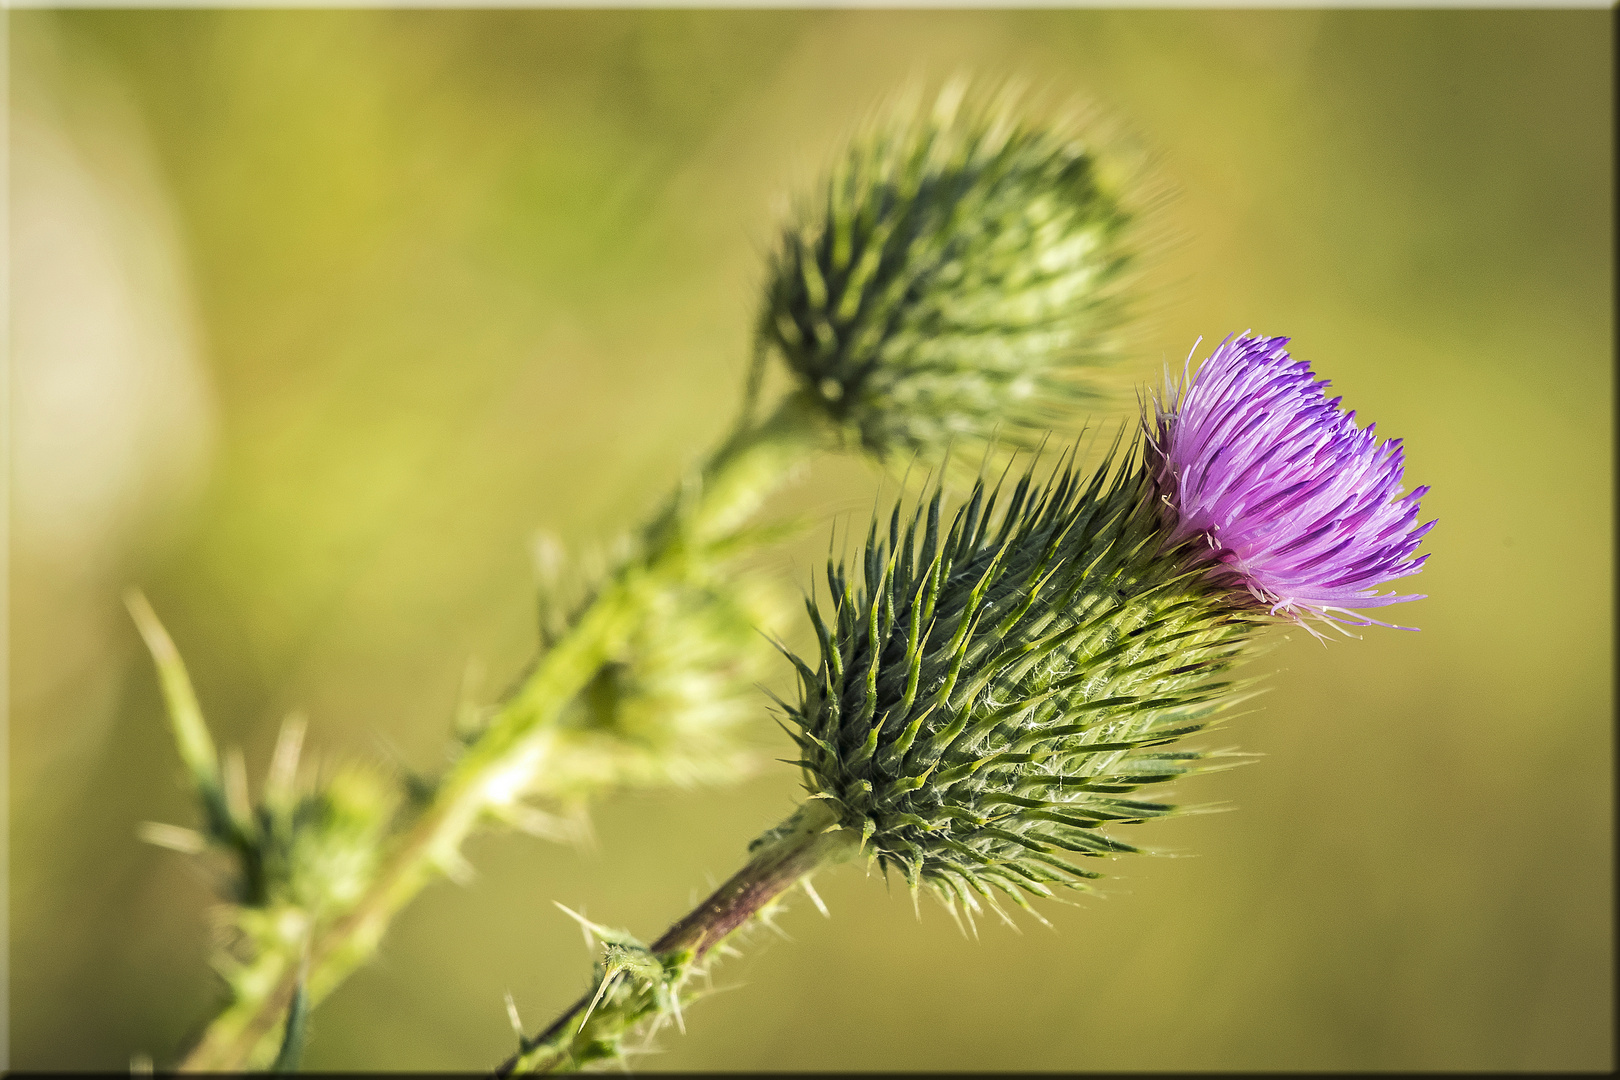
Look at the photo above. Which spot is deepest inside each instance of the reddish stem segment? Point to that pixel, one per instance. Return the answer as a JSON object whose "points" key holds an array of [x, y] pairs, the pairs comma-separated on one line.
{"points": [[804, 843]]}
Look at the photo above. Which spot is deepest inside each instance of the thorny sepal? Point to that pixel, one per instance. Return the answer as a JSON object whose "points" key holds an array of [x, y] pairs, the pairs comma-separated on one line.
{"points": [[190, 730], [631, 985]]}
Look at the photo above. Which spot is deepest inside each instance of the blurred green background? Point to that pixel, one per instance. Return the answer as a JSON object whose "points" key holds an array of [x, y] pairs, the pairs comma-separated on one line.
{"points": [[319, 316]]}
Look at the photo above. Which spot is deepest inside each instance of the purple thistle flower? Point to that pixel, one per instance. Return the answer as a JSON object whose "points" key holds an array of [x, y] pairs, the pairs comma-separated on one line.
{"points": [[1295, 503]]}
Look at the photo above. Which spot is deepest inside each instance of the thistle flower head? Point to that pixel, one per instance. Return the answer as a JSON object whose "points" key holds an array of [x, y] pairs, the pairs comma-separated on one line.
{"points": [[951, 278], [1296, 505], [991, 687]]}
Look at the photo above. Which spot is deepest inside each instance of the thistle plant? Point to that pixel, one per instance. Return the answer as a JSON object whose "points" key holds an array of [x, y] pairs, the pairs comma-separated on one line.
{"points": [[955, 280], [992, 689]]}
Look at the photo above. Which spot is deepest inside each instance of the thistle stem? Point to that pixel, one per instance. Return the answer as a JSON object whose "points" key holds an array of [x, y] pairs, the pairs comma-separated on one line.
{"points": [[508, 759], [805, 843]]}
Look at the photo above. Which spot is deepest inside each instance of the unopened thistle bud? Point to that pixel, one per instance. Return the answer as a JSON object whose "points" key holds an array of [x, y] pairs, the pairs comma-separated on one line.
{"points": [[951, 279]]}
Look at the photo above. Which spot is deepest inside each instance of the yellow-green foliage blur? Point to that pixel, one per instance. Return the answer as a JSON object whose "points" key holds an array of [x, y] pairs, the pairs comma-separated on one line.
{"points": [[318, 317]]}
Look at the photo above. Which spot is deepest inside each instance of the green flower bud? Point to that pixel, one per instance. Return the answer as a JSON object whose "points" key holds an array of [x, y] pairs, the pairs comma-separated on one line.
{"points": [[309, 857], [673, 707], [670, 703], [305, 855], [324, 854], [990, 694], [951, 279]]}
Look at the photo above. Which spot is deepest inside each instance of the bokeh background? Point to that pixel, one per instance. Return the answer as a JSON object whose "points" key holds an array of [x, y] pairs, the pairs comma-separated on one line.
{"points": [[319, 316]]}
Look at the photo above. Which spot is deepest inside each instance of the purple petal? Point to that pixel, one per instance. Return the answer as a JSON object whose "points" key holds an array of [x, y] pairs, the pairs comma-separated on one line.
{"points": [[1301, 508]]}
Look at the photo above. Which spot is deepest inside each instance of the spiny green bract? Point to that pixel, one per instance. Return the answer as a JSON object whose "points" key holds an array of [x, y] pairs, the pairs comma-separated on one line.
{"points": [[630, 986], [990, 694], [950, 280]]}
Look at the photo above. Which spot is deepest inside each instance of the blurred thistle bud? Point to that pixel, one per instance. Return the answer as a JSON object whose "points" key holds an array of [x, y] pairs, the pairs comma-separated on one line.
{"points": [[325, 847], [675, 705], [672, 702], [300, 858], [311, 846], [952, 278], [1288, 501], [310, 858]]}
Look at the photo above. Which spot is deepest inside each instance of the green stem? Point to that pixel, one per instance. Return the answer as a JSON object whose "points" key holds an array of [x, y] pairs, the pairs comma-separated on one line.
{"points": [[806, 842], [503, 762]]}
